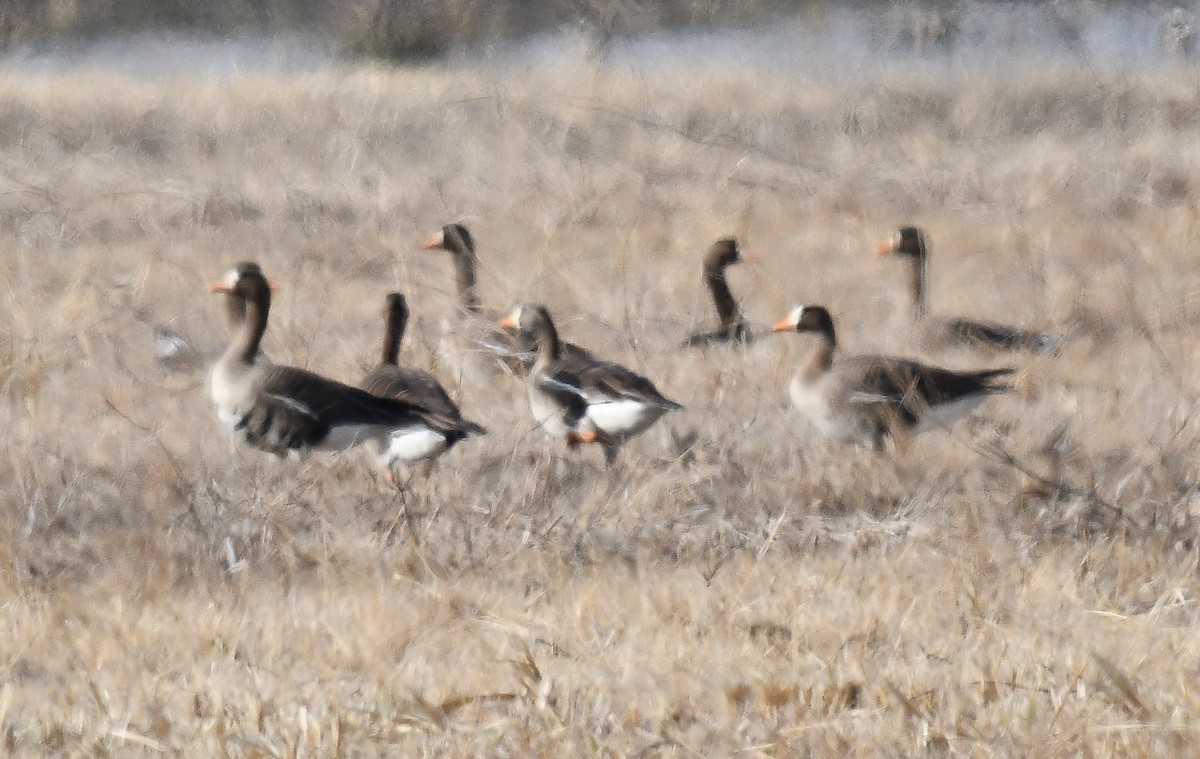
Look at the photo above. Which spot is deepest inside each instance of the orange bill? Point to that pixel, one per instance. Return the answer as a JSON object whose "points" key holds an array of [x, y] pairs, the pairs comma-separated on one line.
{"points": [[749, 256], [884, 248], [509, 322], [574, 437], [784, 325], [434, 242]]}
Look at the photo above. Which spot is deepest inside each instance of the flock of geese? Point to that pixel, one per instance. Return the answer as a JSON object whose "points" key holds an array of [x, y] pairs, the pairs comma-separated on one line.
{"points": [[406, 416]]}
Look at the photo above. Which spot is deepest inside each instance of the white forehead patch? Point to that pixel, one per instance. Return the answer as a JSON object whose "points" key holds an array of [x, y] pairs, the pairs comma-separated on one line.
{"points": [[797, 313], [230, 279], [515, 314]]}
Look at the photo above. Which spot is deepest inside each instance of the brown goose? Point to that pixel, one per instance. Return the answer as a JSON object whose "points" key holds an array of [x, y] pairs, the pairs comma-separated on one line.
{"points": [[909, 243], [723, 254], [389, 380], [515, 350], [868, 399], [282, 409], [585, 400]]}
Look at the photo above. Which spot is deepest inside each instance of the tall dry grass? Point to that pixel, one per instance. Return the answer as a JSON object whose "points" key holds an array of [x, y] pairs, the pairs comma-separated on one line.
{"points": [[1022, 585]]}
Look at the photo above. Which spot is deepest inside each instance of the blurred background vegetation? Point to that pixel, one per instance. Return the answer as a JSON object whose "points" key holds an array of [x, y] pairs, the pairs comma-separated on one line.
{"points": [[387, 28]]}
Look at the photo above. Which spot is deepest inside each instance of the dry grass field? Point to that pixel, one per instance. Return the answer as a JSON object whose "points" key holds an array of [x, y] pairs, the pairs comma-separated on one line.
{"points": [[1024, 584]]}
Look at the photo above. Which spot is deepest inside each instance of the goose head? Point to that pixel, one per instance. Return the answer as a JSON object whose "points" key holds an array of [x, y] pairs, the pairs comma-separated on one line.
{"points": [[726, 252], [806, 319], [454, 238], [907, 241], [395, 310], [247, 282], [527, 317]]}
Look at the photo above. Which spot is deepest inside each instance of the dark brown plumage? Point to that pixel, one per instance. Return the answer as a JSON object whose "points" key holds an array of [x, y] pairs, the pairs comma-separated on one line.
{"points": [[732, 326]]}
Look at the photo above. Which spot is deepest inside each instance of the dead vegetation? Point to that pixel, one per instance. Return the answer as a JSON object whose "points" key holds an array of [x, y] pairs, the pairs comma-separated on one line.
{"points": [[1022, 585]]}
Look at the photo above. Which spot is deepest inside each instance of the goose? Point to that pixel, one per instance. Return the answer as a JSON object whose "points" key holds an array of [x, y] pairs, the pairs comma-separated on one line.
{"points": [[721, 255], [285, 409], [585, 400], [389, 380], [909, 243], [869, 399], [511, 350]]}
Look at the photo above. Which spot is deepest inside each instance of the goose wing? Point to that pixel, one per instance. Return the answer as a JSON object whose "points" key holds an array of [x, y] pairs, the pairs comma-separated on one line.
{"points": [[278, 424], [999, 336], [332, 402], [422, 390], [562, 386], [601, 381], [910, 387]]}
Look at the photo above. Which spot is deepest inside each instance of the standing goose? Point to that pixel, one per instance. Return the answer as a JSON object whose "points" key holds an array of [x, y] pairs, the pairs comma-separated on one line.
{"points": [[418, 387], [514, 350], [867, 399], [723, 254], [281, 409], [909, 243], [585, 400]]}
